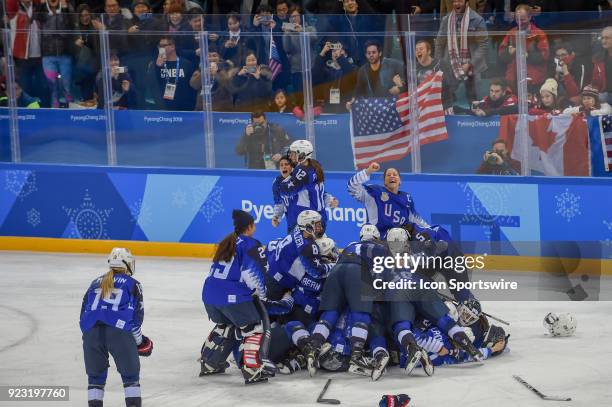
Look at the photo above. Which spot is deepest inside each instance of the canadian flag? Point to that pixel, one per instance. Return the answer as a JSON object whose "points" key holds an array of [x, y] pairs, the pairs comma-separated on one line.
{"points": [[558, 145]]}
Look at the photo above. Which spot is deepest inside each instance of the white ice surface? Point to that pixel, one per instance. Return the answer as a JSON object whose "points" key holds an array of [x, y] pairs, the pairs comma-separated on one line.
{"points": [[40, 344]]}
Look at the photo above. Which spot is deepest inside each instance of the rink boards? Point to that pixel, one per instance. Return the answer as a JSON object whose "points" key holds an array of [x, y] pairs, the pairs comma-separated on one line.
{"points": [[520, 222]]}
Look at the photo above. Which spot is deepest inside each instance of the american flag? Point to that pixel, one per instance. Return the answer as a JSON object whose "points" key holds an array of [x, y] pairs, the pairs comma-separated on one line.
{"points": [[606, 141], [274, 62], [380, 129]]}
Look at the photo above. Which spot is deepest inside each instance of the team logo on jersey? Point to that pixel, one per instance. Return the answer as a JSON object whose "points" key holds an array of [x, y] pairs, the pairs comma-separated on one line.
{"points": [[384, 197]]}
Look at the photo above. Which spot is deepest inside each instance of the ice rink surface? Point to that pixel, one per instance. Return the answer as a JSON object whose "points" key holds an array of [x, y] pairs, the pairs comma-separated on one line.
{"points": [[40, 344]]}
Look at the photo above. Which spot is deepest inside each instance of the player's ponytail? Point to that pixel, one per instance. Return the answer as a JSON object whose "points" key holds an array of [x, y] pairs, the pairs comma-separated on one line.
{"points": [[318, 170], [108, 283], [226, 248]]}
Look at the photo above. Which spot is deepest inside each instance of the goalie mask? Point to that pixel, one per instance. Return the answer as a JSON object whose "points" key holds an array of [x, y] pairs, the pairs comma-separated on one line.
{"points": [[121, 258], [310, 221], [560, 324], [469, 312]]}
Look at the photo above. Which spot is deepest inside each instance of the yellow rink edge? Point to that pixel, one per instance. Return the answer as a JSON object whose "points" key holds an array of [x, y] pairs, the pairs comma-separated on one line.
{"points": [[206, 250]]}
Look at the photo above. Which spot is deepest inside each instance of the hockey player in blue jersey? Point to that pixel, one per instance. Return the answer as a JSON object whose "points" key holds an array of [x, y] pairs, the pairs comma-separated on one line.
{"points": [[386, 206], [112, 314], [237, 273], [306, 182], [286, 205], [296, 264]]}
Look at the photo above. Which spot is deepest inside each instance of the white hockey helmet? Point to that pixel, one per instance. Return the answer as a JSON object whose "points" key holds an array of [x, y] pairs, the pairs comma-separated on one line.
{"points": [[326, 245], [369, 232], [560, 324], [302, 149], [121, 258], [397, 240], [307, 221]]}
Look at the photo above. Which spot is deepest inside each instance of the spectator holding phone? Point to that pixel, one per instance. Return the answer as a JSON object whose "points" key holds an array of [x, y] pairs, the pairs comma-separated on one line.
{"points": [[262, 143], [335, 75], [569, 72], [500, 101], [293, 47], [252, 84], [233, 45], [86, 56], [122, 88], [221, 96], [172, 73]]}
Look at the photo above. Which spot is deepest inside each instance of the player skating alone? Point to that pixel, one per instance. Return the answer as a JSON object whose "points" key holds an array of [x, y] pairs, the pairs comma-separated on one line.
{"points": [[306, 182], [237, 273], [111, 318]]}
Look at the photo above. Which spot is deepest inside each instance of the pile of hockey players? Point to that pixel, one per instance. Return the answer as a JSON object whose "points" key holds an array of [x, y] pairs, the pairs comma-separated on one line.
{"points": [[325, 314]]}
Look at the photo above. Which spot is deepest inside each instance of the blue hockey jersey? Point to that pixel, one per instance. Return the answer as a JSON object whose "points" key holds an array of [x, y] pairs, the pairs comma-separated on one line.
{"points": [[285, 204], [295, 260], [384, 209], [123, 308], [236, 281], [306, 192]]}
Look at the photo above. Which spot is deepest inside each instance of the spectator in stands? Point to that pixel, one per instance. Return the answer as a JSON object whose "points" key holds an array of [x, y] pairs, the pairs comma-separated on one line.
{"points": [[56, 45], [500, 101], [537, 49], [113, 20], [142, 43], [498, 162], [447, 6], [356, 18], [234, 46], [281, 103], [264, 23], [252, 84], [426, 65], [590, 105], [549, 99], [462, 56], [571, 73], [379, 77], [23, 99], [335, 75], [123, 93], [293, 48], [262, 143], [26, 46], [86, 56], [220, 94], [282, 12], [172, 74], [192, 43], [602, 66]]}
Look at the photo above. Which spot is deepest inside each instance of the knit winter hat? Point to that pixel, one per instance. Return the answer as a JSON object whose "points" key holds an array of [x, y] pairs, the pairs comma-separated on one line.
{"points": [[590, 90], [241, 219], [137, 2], [551, 86]]}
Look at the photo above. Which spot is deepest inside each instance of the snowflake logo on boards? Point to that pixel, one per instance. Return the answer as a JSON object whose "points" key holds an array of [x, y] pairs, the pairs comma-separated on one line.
{"points": [[89, 222], [495, 198], [568, 205], [33, 217], [141, 213], [20, 183], [213, 204], [179, 198]]}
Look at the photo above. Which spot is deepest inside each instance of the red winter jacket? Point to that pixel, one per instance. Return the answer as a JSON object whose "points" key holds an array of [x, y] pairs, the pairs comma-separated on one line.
{"points": [[20, 26], [538, 53], [598, 79]]}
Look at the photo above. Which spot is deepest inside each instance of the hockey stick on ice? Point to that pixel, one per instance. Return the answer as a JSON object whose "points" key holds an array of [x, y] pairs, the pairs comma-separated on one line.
{"points": [[320, 399], [451, 299], [267, 332], [536, 391]]}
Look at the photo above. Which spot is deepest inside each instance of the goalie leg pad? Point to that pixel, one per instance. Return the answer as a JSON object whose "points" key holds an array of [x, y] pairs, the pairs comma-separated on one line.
{"points": [[218, 346]]}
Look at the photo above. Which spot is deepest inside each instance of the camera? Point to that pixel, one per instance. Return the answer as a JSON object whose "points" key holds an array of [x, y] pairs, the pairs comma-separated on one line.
{"points": [[289, 26], [265, 18], [492, 159], [476, 104], [251, 69], [335, 46], [122, 69]]}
